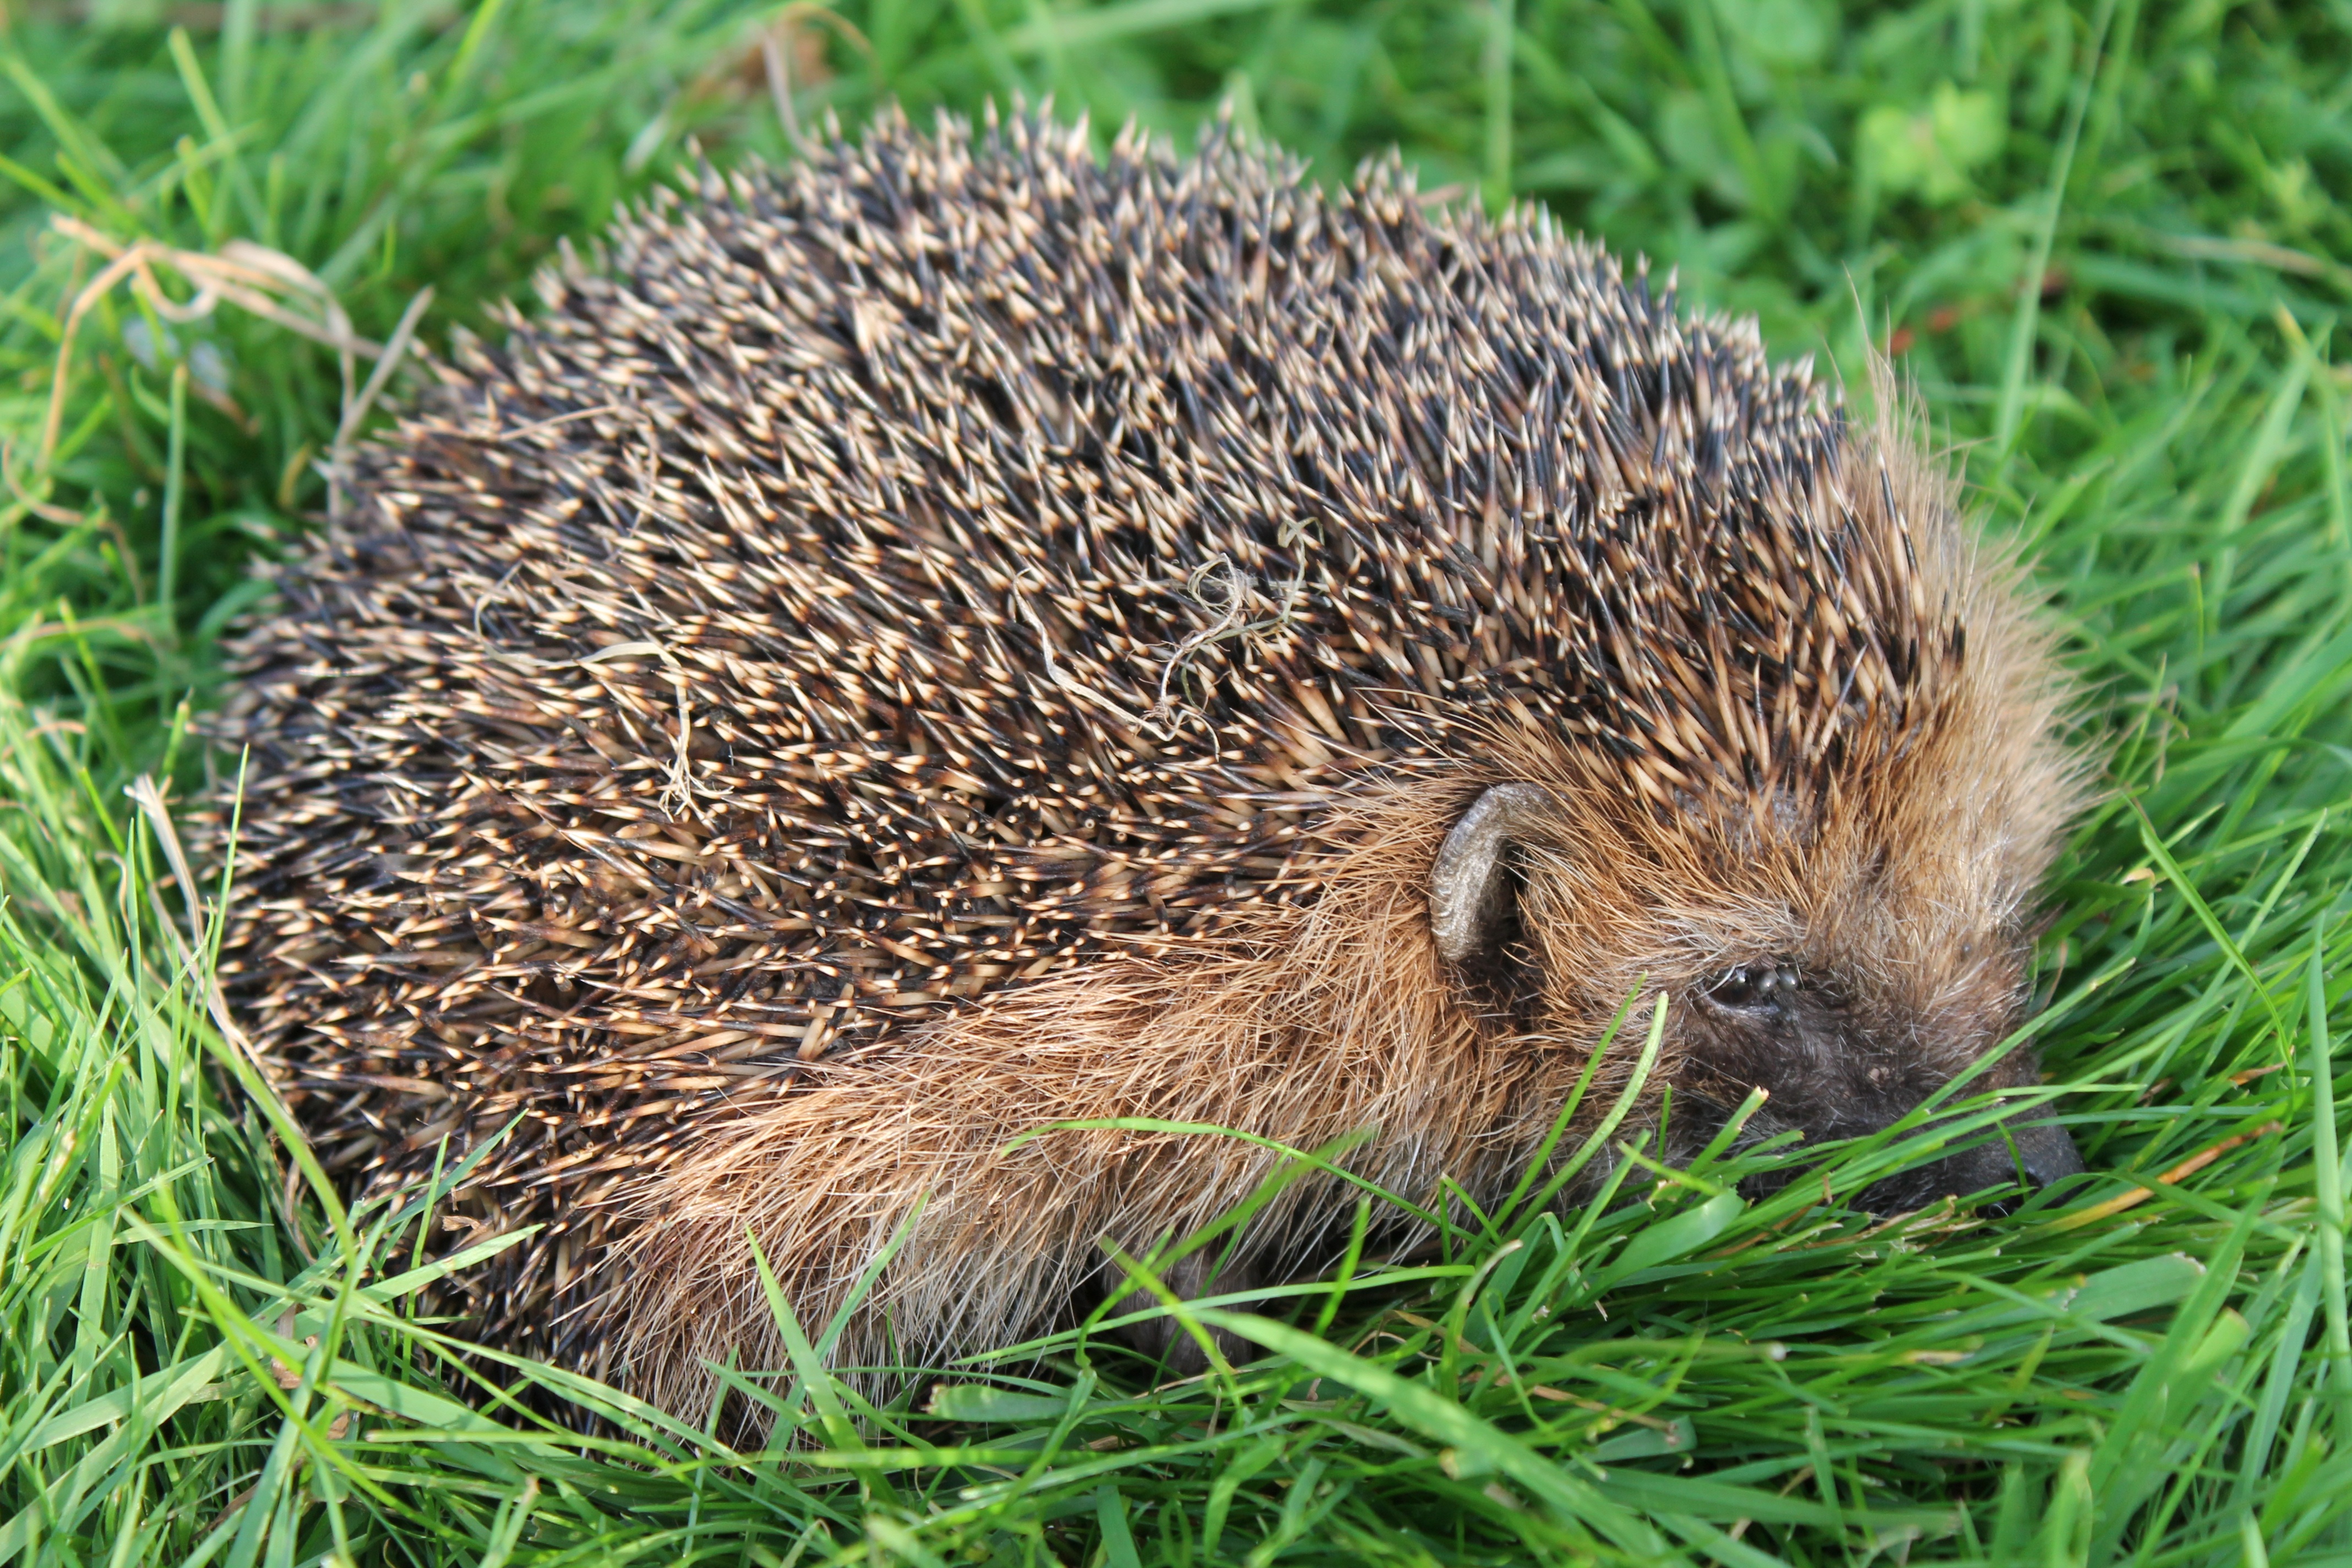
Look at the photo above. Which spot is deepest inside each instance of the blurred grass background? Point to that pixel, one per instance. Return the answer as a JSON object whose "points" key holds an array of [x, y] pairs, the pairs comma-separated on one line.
{"points": [[2104, 238]]}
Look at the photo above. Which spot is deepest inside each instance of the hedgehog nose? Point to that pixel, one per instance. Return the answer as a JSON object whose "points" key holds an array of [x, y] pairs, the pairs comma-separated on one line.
{"points": [[2047, 1153]]}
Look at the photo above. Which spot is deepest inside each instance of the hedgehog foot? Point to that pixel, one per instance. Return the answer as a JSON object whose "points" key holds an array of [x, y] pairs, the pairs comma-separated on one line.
{"points": [[1165, 1339]]}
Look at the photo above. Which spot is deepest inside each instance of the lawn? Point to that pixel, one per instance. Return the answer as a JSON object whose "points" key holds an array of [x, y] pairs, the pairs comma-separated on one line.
{"points": [[2105, 241]]}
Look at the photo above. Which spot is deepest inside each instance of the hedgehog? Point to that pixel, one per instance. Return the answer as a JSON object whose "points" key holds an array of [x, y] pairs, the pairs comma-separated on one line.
{"points": [[962, 636]]}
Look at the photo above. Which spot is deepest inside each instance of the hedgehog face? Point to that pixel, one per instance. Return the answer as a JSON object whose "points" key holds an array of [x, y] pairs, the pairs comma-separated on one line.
{"points": [[1842, 1052], [1850, 973]]}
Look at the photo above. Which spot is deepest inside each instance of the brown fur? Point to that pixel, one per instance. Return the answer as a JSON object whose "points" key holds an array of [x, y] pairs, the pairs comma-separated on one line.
{"points": [[957, 638]]}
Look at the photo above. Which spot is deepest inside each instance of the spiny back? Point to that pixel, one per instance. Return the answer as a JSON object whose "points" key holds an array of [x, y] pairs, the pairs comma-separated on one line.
{"points": [[880, 584]]}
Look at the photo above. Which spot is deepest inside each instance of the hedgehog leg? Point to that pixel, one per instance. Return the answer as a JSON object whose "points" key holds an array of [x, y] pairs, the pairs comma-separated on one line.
{"points": [[1163, 1338]]}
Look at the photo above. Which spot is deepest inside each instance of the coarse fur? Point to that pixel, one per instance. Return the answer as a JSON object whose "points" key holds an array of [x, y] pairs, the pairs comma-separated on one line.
{"points": [[961, 635]]}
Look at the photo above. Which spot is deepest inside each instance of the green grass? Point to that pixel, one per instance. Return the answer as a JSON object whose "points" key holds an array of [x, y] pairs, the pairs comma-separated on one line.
{"points": [[2105, 239]]}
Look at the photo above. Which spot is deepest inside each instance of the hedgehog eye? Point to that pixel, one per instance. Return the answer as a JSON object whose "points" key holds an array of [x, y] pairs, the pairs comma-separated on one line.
{"points": [[1754, 987]]}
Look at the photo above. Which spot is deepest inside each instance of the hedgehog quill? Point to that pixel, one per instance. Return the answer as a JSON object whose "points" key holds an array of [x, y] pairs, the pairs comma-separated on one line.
{"points": [[959, 635]]}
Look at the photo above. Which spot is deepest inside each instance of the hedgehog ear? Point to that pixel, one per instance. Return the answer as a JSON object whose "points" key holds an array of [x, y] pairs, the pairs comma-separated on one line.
{"points": [[1470, 883]]}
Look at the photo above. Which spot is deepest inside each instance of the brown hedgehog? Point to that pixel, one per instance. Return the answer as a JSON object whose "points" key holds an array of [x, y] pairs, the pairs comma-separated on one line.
{"points": [[959, 635]]}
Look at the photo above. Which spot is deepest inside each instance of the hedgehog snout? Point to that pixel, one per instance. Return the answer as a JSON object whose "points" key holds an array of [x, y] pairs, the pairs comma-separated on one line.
{"points": [[1836, 1067], [2028, 1151]]}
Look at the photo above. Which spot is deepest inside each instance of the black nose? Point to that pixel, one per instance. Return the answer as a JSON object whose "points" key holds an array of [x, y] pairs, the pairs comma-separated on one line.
{"points": [[2047, 1152], [2045, 1156]]}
